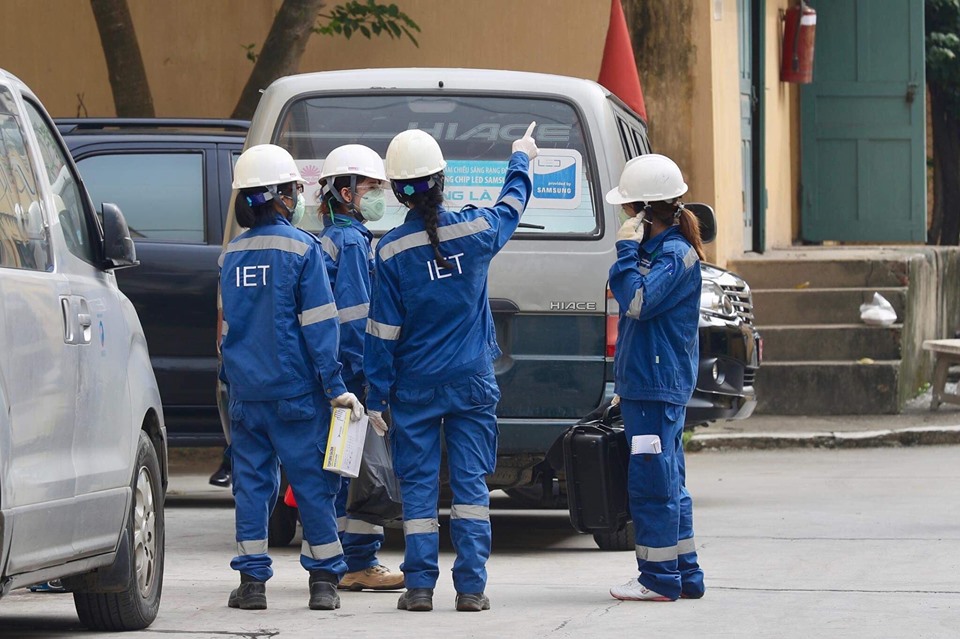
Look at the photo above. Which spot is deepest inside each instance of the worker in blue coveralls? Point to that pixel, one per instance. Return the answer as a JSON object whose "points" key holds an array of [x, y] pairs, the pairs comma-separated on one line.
{"points": [[656, 282], [280, 335], [429, 358], [352, 181]]}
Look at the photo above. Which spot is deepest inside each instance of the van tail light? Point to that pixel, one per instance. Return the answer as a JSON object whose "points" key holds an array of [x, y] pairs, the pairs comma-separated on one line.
{"points": [[613, 317]]}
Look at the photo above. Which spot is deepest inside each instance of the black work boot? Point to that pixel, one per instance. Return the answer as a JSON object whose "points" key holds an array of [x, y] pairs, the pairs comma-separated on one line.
{"points": [[416, 600], [251, 595], [323, 591], [472, 602], [222, 476]]}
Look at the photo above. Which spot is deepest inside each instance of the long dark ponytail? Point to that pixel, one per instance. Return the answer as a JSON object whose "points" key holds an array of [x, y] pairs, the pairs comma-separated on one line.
{"points": [[428, 204], [666, 213]]}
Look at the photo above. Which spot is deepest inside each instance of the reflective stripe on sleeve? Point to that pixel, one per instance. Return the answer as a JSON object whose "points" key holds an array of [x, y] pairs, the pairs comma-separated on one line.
{"points": [[352, 313], [635, 304], [646, 553], [321, 551], [329, 247], [265, 242], [445, 233], [469, 511], [685, 546], [690, 258], [252, 547], [383, 331], [318, 314], [420, 526], [225, 328], [360, 527], [513, 203]]}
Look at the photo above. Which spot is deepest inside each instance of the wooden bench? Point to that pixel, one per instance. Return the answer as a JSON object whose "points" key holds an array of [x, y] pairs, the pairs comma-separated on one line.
{"points": [[946, 352]]}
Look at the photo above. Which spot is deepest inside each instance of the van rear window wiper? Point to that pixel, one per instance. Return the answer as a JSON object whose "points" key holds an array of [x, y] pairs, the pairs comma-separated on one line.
{"points": [[527, 225]]}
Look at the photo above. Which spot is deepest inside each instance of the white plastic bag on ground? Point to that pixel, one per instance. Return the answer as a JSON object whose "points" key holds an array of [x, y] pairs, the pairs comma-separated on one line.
{"points": [[878, 312]]}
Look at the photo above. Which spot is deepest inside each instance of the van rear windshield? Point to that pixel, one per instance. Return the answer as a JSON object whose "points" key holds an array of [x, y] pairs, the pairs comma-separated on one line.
{"points": [[475, 134]]}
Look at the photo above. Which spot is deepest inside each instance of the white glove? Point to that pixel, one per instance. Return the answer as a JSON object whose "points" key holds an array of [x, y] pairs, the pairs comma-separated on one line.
{"points": [[378, 423], [349, 400], [527, 144], [615, 401], [632, 229]]}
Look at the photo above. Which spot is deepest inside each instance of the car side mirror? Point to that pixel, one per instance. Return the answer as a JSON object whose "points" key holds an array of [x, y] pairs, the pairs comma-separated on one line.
{"points": [[119, 250], [707, 218]]}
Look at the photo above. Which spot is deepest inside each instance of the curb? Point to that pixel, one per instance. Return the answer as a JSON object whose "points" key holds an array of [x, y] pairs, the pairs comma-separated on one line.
{"points": [[918, 436]]}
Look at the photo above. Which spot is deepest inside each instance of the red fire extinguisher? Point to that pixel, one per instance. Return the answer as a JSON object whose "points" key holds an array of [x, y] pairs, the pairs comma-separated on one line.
{"points": [[796, 63]]}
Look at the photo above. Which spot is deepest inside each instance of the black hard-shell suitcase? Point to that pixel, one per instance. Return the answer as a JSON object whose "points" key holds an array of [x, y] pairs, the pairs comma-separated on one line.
{"points": [[595, 459]]}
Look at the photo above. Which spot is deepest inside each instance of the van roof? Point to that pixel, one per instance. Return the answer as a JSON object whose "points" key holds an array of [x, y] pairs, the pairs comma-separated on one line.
{"points": [[420, 79]]}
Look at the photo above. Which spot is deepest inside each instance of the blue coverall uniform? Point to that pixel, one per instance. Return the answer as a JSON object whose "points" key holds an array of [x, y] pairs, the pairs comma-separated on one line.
{"points": [[657, 285], [348, 256], [429, 356], [280, 335]]}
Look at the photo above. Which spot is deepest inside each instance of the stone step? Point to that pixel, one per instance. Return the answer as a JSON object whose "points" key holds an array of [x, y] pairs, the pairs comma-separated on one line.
{"points": [[830, 342], [819, 306], [834, 273], [827, 388]]}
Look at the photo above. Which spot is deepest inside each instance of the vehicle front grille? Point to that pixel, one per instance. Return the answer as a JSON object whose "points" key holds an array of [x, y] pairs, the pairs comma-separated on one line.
{"points": [[742, 301]]}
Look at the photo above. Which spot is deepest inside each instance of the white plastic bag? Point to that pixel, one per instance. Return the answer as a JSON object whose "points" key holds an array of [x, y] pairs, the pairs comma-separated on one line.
{"points": [[878, 312]]}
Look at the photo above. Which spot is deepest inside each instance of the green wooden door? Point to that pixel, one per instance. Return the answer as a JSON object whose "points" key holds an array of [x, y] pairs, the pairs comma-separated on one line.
{"points": [[863, 160]]}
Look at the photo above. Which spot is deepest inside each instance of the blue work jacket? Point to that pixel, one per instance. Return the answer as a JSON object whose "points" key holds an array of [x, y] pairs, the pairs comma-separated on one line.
{"points": [[348, 256], [431, 325], [280, 329], [657, 285]]}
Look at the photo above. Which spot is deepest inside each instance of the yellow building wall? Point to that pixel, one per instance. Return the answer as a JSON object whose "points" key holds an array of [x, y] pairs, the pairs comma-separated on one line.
{"points": [[782, 138], [196, 65]]}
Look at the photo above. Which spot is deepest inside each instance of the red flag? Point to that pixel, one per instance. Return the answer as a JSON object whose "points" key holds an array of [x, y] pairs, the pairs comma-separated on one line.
{"points": [[618, 71]]}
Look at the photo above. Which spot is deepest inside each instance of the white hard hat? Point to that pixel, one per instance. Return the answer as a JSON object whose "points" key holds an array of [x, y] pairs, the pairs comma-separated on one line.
{"points": [[413, 154], [265, 165], [648, 178], [353, 159]]}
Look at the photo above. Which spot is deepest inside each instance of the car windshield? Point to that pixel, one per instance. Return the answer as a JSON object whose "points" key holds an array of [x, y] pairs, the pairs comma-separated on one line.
{"points": [[475, 134]]}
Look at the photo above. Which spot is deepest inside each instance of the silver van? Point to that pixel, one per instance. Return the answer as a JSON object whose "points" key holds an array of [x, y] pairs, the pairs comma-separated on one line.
{"points": [[83, 461], [555, 321]]}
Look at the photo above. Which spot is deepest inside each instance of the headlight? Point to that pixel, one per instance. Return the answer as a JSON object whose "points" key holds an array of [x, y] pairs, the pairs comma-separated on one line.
{"points": [[714, 301]]}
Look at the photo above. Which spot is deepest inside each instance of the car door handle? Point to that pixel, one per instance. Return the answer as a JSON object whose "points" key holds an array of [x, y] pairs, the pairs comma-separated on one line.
{"points": [[84, 320], [67, 314]]}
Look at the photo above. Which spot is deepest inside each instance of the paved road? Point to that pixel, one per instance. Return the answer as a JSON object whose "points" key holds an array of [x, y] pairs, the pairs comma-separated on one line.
{"points": [[795, 543]]}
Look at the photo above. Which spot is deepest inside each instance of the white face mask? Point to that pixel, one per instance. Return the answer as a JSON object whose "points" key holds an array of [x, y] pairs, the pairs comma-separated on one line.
{"points": [[296, 216], [373, 205]]}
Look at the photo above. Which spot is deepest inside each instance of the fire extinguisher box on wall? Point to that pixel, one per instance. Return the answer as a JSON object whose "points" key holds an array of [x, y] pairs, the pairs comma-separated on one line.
{"points": [[796, 62]]}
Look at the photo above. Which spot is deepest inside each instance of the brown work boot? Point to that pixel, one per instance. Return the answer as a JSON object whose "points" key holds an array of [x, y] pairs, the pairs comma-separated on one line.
{"points": [[373, 578]]}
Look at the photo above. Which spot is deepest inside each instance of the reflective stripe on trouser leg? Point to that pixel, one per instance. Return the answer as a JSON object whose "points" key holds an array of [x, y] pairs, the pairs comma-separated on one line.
{"points": [[691, 576], [653, 483], [471, 437], [256, 484], [361, 541], [300, 444], [415, 440]]}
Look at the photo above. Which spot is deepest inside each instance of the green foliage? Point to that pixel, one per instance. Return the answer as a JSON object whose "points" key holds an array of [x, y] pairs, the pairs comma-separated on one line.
{"points": [[251, 50], [368, 19], [943, 47]]}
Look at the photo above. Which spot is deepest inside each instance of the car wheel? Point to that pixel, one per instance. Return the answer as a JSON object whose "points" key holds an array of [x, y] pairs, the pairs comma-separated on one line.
{"points": [[283, 520], [622, 539], [135, 607]]}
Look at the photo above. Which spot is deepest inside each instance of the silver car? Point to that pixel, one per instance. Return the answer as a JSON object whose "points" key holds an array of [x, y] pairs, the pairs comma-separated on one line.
{"points": [[83, 467]]}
